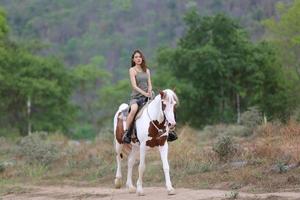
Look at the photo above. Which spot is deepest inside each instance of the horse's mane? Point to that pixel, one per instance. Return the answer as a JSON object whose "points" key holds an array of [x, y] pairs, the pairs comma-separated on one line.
{"points": [[171, 96]]}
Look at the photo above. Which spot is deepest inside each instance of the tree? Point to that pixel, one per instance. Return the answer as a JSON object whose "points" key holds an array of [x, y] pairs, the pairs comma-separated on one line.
{"points": [[3, 24], [44, 80], [220, 72], [284, 31], [89, 78], [111, 96]]}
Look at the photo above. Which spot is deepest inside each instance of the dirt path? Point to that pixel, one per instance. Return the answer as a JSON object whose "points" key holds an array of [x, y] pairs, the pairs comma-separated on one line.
{"points": [[152, 193]]}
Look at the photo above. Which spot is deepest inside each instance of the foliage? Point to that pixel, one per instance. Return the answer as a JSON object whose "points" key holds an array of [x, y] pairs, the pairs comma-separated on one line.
{"points": [[296, 114], [84, 131], [3, 24], [251, 119], [2, 167], [283, 30], [37, 150], [216, 64], [233, 195], [45, 82], [80, 30], [112, 95], [89, 78], [224, 147]]}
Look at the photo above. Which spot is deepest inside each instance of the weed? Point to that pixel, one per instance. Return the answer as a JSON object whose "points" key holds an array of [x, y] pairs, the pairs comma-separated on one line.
{"points": [[224, 148], [34, 171], [232, 195]]}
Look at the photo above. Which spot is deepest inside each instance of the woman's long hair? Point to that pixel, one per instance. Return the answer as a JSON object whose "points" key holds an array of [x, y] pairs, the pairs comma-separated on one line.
{"points": [[143, 65]]}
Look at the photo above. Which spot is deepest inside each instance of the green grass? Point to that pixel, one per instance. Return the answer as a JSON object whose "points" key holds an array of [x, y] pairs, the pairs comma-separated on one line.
{"points": [[34, 171]]}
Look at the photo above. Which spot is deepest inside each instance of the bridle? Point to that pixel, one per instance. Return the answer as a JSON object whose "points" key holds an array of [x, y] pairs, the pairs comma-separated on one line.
{"points": [[161, 131]]}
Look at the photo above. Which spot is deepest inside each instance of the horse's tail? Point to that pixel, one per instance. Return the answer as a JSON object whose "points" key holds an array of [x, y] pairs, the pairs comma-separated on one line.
{"points": [[123, 106], [119, 149]]}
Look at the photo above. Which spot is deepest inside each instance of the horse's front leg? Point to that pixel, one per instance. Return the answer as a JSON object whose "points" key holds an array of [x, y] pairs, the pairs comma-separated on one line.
{"points": [[131, 160], [164, 158], [139, 183]]}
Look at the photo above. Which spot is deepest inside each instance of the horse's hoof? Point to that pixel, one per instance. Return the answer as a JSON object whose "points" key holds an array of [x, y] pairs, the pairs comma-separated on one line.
{"points": [[118, 183], [132, 189], [171, 192], [140, 193]]}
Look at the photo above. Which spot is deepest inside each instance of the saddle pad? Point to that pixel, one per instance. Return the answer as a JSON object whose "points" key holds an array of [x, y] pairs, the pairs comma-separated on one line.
{"points": [[124, 114]]}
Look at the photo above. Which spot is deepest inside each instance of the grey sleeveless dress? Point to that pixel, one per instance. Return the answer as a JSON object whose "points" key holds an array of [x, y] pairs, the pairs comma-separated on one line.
{"points": [[141, 79]]}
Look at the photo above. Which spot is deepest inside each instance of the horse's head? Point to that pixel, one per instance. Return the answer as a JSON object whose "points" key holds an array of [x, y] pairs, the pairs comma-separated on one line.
{"points": [[169, 100]]}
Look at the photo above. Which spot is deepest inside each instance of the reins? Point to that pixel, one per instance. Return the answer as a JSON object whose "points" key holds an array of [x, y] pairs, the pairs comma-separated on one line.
{"points": [[160, 131]]}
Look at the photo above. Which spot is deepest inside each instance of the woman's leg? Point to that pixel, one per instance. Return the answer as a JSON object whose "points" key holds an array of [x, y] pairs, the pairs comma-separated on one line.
{"points": [[133, 109], [130, 117]]}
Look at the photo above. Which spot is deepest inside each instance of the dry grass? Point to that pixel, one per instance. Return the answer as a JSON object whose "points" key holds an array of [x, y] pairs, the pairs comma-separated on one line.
{"points": [[277, 142], [193, 163]]}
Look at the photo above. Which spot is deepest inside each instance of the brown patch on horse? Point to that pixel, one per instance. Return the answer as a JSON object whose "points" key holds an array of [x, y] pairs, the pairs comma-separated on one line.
{"points": [[156, 140], [119, 129]]}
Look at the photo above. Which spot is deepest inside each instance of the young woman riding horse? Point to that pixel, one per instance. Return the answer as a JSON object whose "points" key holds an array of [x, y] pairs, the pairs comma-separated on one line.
{"points": [[152, 130], [141, 84]]}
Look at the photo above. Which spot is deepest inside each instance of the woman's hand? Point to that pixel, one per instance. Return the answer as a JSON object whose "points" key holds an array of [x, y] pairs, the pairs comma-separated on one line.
{"points": [[148, 94]]}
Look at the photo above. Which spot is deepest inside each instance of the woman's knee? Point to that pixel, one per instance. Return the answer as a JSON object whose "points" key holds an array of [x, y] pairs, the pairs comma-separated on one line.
{"points": [[134, 108]]}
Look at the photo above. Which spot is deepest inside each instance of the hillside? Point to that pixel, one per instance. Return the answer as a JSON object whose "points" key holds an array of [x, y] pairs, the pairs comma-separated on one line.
{"points": [[76, 31]]}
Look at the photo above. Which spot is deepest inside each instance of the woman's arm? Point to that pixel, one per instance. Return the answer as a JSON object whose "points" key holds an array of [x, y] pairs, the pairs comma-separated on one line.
{"points": [[132, 74], [149, 83]]}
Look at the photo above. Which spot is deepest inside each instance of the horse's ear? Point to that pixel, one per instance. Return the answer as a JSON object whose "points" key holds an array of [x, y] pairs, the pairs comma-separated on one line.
{"points": [[162, 94], [174, 89]]}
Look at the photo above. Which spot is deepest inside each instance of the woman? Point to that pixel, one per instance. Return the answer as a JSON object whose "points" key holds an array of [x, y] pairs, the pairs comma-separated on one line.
{"points": [[141, 89]]}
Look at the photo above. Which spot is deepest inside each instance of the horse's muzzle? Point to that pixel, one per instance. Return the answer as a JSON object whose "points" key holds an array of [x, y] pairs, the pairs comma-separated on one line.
{"points": [[172, 126]]}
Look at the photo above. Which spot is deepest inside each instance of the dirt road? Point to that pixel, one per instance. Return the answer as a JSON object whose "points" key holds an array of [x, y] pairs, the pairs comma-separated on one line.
{"points": [[152, 193]]}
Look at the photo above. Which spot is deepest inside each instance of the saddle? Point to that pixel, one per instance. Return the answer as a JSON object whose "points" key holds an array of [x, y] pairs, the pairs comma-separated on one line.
{"points": [[124, 114]]}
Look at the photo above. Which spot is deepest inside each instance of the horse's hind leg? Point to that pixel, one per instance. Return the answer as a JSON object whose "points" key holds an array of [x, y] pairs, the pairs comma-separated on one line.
{"points": [[131, 161], [118, 179], [164, 158]]}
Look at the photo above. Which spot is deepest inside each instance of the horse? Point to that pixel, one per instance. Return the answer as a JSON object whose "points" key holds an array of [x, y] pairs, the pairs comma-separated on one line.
{"points": [[156, 119]]}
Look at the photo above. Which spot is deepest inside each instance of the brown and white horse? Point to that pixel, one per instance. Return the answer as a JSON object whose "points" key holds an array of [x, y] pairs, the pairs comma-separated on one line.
{"points": [[152, 128]]}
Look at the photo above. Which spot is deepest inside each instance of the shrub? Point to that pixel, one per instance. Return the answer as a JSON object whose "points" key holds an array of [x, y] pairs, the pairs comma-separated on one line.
{"points": [[224, 148], [2, 167], [251, 119], [232, 195], [296, 115], [37, 150]]}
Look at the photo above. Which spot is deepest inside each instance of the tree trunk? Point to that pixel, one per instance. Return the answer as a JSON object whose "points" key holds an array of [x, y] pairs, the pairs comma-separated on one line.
{"points": [[238, 106], [28, 113], [222, 104]]}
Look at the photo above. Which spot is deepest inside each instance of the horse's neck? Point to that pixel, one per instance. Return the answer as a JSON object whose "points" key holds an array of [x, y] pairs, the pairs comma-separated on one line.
{"points": [[155, 110]]}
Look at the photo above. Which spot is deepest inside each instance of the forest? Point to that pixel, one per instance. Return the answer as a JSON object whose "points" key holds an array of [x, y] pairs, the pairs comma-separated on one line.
{"points": [[70, 60]]}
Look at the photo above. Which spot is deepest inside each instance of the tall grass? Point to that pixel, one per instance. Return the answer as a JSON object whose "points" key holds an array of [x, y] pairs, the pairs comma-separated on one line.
{"points": [[279, 141]]}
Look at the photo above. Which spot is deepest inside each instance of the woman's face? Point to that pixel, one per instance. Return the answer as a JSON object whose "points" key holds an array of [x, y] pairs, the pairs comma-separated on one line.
{"points": [[137, 59]]}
